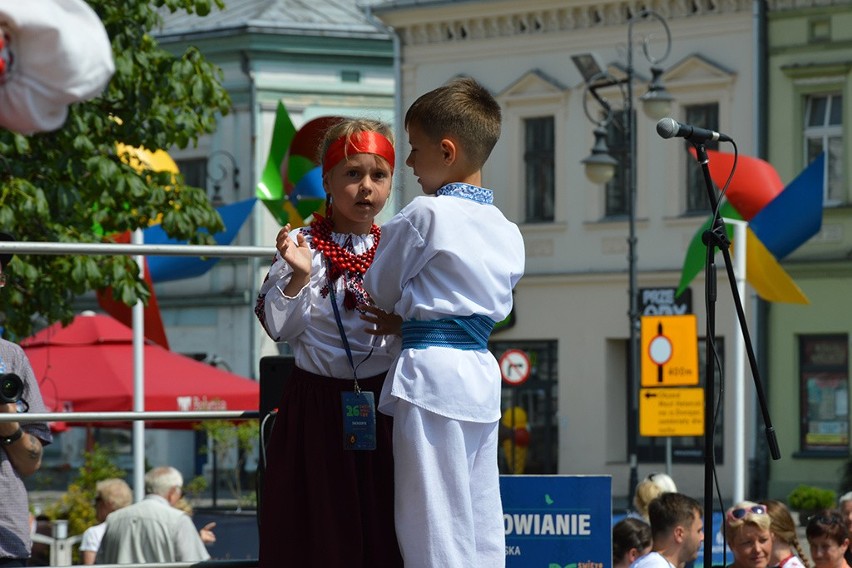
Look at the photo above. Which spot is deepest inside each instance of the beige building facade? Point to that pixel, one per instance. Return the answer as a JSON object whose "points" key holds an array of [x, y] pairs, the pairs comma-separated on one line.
{"points": [[572, 305]]}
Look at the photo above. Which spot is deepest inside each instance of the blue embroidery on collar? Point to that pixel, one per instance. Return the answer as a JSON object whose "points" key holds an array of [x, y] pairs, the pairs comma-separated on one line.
{"points": [[467, 191]]}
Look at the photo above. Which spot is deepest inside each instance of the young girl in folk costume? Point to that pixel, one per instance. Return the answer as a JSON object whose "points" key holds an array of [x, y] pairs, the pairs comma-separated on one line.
{"points": [[327, 499]]}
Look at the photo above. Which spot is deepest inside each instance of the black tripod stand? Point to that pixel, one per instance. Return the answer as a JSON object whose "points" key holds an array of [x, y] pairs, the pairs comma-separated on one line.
{"points": [[716, 237]]}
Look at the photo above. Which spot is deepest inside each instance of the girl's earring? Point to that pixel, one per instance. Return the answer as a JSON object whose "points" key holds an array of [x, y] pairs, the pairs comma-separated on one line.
{"points": [[328, 208]]}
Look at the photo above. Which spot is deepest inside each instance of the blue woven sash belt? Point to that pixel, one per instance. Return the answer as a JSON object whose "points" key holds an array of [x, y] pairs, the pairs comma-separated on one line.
{"points": [[469, 333]]}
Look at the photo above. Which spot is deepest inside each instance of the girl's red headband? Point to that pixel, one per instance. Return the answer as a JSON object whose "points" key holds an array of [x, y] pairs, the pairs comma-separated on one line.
{"points": [[364, 142]]}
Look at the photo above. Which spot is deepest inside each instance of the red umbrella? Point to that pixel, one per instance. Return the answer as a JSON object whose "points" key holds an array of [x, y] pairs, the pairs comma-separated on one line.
{"points": [[88, 367]]}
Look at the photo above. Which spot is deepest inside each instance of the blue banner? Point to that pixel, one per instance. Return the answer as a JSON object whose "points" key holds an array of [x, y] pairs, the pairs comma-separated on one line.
{"points": [[557, 521], [714, 542]]}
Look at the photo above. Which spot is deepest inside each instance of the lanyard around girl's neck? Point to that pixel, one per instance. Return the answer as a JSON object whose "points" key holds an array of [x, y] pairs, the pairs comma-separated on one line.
{"points": [[343, 338]]}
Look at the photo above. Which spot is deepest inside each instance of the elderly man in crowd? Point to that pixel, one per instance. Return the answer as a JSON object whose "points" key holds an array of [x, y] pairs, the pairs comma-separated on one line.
{"points": [[153, 530]]}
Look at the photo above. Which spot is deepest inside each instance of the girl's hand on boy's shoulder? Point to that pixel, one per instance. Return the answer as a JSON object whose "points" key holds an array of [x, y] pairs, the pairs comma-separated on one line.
{"points": [[383, 322]]}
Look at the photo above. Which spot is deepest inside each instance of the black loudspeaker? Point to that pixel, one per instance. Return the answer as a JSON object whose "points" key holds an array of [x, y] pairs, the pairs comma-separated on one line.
{"points": [[274, 371]]}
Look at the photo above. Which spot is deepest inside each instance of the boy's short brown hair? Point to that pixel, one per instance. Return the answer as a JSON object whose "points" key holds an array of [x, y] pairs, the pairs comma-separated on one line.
{"points": [[671, 510], [462, 110]]}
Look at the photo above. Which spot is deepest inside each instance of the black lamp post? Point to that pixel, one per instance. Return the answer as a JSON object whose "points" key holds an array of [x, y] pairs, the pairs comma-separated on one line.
{"points": [[600, 167]]}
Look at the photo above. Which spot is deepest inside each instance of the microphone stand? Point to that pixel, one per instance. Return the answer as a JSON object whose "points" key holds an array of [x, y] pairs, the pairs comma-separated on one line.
{"points": [[717, 237]]}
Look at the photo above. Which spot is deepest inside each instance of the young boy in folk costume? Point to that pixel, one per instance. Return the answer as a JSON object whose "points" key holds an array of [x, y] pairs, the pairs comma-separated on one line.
{"points": [[328, 491], [447, 264]]}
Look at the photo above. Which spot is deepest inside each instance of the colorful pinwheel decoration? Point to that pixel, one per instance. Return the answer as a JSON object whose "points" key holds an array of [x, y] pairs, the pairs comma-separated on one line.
{"points": [[290, 187], [780, 219], [291, 183]]}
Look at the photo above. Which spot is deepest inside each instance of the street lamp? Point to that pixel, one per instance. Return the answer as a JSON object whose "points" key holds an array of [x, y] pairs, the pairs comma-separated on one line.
{"points": [[221, 159], [600, 167]]}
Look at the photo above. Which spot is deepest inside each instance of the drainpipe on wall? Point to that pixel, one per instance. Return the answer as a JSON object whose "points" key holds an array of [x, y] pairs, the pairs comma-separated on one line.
{"points": [[247, 67], [759, 473], [399, 127]]}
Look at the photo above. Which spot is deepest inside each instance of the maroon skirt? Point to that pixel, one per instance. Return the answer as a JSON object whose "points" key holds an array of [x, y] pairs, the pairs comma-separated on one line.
{"points": [[322, 505]]}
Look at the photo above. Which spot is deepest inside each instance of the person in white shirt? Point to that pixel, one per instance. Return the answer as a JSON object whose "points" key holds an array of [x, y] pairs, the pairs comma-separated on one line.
{"points": [[447, 264], [153, 530], [111, 494], [677, 531]]}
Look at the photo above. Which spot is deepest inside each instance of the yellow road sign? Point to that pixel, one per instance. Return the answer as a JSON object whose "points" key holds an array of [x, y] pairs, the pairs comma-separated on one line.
{"points": [[671, 412], [669, 351]]}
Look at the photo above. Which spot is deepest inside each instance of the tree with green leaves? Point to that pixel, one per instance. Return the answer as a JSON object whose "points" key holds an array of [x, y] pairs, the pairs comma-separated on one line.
{"points": [[72, 185]]}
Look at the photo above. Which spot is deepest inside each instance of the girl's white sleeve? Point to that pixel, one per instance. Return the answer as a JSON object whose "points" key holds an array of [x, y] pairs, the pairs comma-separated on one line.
{"points": [[283, 317]]}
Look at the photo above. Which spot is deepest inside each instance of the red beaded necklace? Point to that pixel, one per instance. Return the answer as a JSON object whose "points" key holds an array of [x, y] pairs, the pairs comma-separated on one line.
{"points": [[341, 261]]}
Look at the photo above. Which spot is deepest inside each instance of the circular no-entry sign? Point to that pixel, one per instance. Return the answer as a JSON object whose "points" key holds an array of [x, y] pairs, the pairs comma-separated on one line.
{"points": [[515, 366]]}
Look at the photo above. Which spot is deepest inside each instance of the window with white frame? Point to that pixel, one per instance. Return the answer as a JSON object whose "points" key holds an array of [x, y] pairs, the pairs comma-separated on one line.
{"points": [[823, 132], [704, 116], [539, 169]]}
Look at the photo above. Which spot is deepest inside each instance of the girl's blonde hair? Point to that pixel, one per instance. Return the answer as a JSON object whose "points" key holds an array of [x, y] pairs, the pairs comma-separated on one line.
{"points": [[783, 526]]}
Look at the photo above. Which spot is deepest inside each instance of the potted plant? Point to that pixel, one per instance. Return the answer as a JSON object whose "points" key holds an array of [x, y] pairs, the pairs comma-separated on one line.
{"points": [[808, 499]]}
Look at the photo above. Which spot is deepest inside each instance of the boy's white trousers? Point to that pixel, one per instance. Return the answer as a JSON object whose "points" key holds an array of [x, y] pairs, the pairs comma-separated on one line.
{"points": [[447, 491]]}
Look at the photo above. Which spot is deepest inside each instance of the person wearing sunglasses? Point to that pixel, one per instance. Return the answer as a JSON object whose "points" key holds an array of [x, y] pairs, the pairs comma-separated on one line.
{"points": [[828, 538], [749, 535]]}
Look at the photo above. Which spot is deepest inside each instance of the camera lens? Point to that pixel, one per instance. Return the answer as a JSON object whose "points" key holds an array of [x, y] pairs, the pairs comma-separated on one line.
{"points": [[11, 388]]}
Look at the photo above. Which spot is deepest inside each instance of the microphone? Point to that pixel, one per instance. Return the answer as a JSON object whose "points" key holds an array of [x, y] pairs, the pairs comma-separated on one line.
{"points": [[670, 128]]}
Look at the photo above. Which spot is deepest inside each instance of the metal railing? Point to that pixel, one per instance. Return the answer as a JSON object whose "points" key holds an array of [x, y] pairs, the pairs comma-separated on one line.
{"points": [[147, 416], [61, 546]]}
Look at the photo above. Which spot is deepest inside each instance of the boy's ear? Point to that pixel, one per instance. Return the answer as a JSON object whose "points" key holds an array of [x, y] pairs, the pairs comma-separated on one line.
{"points": [[449, 151]]}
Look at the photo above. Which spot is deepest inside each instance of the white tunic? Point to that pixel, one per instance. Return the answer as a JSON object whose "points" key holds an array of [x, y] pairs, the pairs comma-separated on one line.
{"points": [[307, 320], [447, 256]]}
